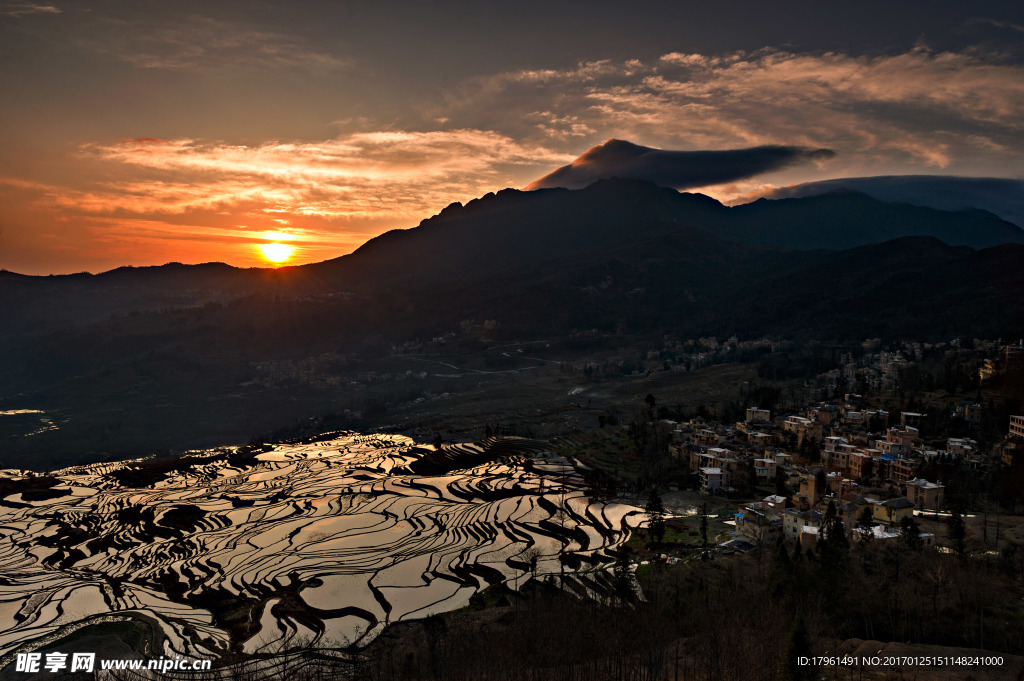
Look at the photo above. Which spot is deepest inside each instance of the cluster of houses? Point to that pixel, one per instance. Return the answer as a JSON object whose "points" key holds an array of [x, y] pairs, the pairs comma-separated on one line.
{"points": [[828, 434], [835, 458], [799, 517]]}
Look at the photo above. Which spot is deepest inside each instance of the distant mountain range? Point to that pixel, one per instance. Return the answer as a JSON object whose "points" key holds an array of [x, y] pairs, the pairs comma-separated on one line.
{"points": [[515, 229], [621, 256], [502, 246], [517, 241], [1000, 195]]}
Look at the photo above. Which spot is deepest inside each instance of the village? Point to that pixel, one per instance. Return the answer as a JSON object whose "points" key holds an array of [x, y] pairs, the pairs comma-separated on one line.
{"points": [[879, 472]]}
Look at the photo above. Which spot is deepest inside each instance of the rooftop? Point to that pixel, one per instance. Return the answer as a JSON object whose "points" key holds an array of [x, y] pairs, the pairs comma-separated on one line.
{"points": [[924, 484], [899, 502]]}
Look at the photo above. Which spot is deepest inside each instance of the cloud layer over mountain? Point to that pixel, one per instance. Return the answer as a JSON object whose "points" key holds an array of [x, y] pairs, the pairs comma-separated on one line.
{"points": [[1002, 196], [676, 169]]}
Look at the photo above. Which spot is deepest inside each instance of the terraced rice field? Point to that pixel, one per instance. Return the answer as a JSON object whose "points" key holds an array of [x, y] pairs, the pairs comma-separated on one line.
{"points": [[309, 543]]}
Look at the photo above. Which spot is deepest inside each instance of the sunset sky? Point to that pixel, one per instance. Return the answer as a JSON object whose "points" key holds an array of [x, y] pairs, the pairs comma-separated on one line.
{"points": [[138, 133]]}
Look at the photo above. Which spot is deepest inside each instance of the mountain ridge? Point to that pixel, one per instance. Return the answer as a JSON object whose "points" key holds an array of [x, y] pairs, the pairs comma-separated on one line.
{"points": [[507, 240], [855, 219], [179, 356]]}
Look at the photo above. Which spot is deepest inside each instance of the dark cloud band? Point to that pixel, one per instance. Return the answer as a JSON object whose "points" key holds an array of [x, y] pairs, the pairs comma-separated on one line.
{"points": [[676, 169], [1002, 196]]}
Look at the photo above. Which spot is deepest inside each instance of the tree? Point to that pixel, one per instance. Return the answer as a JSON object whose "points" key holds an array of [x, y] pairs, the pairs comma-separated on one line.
{"points": [[745, 478], [833, 547], [704, 523], [867, 469], [1007, 561], [820, 482], [956, 530], [780, 571], [910, 533], [623, 576], [532, 555], [781, 488], [810, 451], [798, 646], [655, 515]]}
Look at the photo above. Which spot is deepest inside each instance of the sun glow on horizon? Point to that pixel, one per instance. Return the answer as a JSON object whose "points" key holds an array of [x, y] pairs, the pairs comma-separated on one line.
{"points": [[276, 253]]}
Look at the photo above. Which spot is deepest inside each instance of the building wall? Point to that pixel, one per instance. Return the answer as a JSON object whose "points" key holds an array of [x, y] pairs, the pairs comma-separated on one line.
{"points": [[926, 497], [1017, 426], [881, 514]]}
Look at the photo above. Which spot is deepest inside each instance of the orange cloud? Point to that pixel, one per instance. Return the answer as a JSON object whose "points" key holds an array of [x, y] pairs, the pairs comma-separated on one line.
{"points": [[330, 195], [390, 174], [912, 112], [24, 8]]}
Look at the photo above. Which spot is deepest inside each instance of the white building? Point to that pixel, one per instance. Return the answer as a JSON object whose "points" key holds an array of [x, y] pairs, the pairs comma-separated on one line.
{"points": [[713, 480], [755, 415]]}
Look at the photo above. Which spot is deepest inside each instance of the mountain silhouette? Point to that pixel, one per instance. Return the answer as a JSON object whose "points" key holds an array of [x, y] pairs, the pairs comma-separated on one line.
{"points": [[166, 357], [1000, 195], [524, 232], [519, 240]]}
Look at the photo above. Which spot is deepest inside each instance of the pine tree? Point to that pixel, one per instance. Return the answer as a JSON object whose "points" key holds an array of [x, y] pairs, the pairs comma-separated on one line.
{"points": [[704, 524], [623, 576], [866, 519], [781, 489], [833, 547], [957, 532], [910, 533], [779, 571], [832, 527], [655, 515], [798, 646]]}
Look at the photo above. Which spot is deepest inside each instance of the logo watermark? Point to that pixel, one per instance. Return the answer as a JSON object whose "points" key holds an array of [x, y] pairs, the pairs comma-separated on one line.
{"points": [[34, 663]]}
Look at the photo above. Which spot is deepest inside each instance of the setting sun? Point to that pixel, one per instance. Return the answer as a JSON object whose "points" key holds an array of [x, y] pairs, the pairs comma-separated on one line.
{"points": [[276, 253]]}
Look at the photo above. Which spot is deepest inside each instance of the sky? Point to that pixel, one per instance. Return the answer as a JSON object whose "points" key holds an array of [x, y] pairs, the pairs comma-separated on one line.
{"points": [[139, 133]]}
